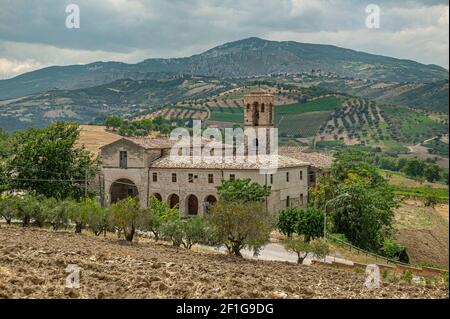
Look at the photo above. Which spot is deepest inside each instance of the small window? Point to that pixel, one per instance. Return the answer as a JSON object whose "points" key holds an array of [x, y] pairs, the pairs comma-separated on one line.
{"points": [[248, 107], [210, 178], [262, 108], [301, 175], [287, 177], [174, 178], [271, 178], [123, 163], [232, 177], [288, 201], [155, 177], [191, 178], [301, 199]]}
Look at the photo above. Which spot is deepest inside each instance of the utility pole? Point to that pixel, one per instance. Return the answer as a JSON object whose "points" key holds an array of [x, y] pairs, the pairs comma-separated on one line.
{"points": [[86, 183]]}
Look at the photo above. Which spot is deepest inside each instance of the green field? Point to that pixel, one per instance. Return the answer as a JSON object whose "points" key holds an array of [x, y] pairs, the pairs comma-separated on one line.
{"points": [[300, 125], [300, 119], [422, 192], [323, 104], [329, 144], [227, 117], [404, 186]]}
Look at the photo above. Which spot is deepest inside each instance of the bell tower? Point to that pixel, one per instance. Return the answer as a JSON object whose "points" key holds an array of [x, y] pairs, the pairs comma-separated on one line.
{"points": [[259, 109], [259, 117]]}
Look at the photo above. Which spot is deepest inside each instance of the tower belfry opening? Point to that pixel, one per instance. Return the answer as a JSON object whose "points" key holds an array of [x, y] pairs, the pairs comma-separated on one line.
{"points": [[258, 115]]}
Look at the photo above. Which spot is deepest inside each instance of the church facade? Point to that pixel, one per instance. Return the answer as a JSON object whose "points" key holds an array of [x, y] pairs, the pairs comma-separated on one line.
{"points": [[143, 167]]}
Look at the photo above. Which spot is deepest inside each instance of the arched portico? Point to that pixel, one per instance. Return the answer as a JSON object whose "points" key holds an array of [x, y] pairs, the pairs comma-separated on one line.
{"points": [[121, 189], [208, 202], [192, 205], [173, 200], [157, 196]]}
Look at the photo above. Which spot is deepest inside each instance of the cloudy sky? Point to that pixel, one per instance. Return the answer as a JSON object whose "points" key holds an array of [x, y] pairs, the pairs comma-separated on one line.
{"points": [[33, 34]]}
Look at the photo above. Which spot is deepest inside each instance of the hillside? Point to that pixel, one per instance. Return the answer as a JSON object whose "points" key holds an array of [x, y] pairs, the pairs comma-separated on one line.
{"points": [[248, 57], [329, 119], [428, 96], [124, 97], [33, 262]]}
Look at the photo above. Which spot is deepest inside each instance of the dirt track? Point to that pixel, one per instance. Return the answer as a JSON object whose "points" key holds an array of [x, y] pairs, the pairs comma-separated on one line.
{"points": [[33, 262]]}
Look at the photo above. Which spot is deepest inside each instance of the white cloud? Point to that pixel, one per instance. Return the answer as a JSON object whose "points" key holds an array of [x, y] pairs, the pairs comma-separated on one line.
{"points": [[10, 68], [32, 34]]}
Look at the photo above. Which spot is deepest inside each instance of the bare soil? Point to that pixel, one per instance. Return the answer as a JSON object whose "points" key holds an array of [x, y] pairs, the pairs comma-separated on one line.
{"points": [[424, 231], [33, 262]]}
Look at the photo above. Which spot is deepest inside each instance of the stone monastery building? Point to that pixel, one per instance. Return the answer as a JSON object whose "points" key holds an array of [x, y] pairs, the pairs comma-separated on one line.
{"points": [[142, 167]]}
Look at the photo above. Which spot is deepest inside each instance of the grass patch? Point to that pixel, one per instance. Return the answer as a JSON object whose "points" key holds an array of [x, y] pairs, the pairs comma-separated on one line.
{"points": [[440, 194], [401, 180]]}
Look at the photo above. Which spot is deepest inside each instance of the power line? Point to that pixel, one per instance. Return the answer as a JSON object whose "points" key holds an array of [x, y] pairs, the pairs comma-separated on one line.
{"points": [[43, 180]]}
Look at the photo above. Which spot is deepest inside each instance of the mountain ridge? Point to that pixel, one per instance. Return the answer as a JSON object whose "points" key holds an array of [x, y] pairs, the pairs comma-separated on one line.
{"points": [[243, 58]]}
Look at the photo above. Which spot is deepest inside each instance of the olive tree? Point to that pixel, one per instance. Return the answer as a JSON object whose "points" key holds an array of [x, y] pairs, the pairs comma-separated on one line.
{"points": [[79, 212], [57, 212], [7, 208], [239, 224], [317, 248], [157, 214], [127, 215], [98, 220]]}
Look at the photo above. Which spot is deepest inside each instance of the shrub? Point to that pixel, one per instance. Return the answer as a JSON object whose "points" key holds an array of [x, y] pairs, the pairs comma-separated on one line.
{"points": [[394, 251], [127, 215], [338, 238], [242, 190], [317, 248], [287, 221], [406, 276], [238, 224], [431, 201]]}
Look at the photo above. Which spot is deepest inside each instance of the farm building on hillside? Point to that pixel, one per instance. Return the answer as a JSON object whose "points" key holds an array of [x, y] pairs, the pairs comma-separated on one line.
{"points": [[142, 167]]}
